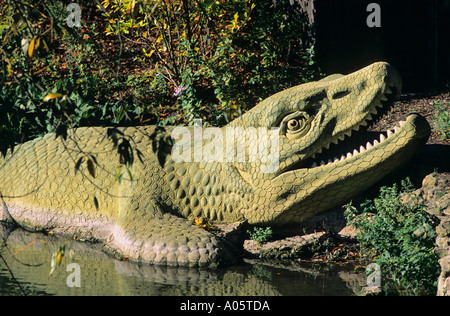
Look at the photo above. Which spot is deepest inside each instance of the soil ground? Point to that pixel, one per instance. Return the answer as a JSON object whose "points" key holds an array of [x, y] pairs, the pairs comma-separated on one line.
{"points": [[423, 104]]}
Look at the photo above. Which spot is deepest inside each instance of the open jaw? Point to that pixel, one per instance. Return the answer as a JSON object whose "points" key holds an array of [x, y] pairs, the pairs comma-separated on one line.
{"points": [[354, 145], [358, 142], [358, 139], [340, 169]]}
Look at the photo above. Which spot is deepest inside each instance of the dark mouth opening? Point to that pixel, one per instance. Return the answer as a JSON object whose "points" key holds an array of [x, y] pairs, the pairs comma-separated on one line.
{"points": [[356, 141]]}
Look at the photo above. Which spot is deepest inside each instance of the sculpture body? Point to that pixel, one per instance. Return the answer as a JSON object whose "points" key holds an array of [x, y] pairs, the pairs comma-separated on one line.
{"points": [[324, 158]]}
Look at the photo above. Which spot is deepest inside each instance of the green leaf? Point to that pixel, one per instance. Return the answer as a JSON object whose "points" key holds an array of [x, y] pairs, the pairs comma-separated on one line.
{"points": [[118, 176]]}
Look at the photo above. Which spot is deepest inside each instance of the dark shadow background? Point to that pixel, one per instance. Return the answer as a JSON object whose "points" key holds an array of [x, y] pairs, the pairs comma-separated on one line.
{"points": [[414, 37]]}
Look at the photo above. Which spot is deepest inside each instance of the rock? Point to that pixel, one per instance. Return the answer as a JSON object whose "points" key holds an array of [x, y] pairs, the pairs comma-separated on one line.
{"points": [[445, 264], [349, 232], [444, 278], [288, 248], [234, 232], [443, 229], [443, 246], [429, 181], [371, 291], [318, 246], [436, 194]]}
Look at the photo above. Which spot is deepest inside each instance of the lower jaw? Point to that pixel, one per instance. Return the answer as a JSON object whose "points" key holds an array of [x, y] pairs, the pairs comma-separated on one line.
{"points": [[345, 183]]}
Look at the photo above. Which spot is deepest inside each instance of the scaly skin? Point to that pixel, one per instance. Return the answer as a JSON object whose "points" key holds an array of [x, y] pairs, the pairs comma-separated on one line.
{"points": [[149, 218]]}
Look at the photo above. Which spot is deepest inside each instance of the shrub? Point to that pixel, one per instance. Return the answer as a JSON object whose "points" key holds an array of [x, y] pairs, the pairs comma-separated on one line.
{"points": [[401, 238], [218, 58], [260, 235], [41, 56], [134, 62]]}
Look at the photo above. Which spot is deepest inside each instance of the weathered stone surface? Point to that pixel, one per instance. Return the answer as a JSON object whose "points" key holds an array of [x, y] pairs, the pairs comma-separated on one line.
{"points": [[444, 278], [435, 193], [443, 229], [72, 186], [319, 246], [288, 248]]}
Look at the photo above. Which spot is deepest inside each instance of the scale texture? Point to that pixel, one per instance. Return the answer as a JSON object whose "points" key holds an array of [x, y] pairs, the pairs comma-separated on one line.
{"points": [[79, 187]]}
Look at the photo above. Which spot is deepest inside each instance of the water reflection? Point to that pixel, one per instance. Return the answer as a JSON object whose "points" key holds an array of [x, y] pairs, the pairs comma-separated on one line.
{"points": [[25, 264]]}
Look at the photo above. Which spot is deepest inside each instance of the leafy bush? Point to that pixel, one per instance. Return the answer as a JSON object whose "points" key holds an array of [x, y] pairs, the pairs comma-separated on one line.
{"points": [[41, 56], [218, 58], [137, 62], [260, 235], [401, 238]]}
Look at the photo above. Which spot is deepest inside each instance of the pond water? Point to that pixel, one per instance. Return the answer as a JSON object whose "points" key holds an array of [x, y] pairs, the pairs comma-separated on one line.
{"points": [[25, 265]]}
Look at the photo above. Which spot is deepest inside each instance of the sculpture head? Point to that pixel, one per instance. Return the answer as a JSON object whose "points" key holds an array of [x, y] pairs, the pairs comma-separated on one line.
{"points": [[326, 155]]}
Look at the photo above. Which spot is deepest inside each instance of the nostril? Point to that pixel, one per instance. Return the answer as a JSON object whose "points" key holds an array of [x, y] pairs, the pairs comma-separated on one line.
{"points": [[340, 94]]}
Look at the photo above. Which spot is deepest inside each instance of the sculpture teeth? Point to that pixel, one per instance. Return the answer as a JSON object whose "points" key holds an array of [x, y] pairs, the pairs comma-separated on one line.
{"points": [[361, 149], [390, 133], [388, 90], [384, 98]]}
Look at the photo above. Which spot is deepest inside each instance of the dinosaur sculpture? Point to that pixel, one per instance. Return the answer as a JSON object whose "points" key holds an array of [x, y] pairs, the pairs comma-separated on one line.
{"points": [[323, 156]]}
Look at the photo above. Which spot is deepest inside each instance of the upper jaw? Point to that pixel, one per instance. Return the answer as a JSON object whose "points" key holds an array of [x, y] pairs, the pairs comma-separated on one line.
{"points": [[354, 139], [379, 106], [375, 141]]}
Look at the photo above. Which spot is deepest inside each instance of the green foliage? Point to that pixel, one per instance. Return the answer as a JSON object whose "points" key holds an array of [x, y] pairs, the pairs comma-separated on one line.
{"points": [[260, 235], [52, 76], [401, 237], [143, 62], [218, 58], [442, 119]]}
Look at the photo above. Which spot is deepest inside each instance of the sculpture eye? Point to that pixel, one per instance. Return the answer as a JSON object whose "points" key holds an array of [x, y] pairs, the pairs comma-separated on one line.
{"points": [[296, 125]]}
